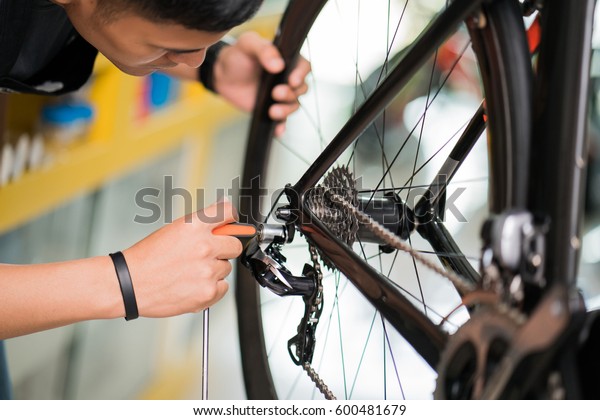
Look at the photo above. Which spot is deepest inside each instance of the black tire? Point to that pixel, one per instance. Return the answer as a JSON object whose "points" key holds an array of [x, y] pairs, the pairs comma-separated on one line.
{"points": [[497, 37]]}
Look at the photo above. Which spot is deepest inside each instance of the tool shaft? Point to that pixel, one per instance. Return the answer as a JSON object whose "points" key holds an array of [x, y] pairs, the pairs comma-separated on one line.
{"points": [[205, 322]]}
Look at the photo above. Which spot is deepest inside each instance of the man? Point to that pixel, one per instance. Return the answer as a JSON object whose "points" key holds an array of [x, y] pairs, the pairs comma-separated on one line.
{"points": [[48, 47]]}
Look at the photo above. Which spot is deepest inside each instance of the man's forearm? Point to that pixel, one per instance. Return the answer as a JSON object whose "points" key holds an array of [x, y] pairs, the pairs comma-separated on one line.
{"points": [[43, 296]]}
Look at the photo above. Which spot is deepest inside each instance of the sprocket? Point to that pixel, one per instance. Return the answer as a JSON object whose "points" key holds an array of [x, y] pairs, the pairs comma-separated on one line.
{"points": [[338, 219]]}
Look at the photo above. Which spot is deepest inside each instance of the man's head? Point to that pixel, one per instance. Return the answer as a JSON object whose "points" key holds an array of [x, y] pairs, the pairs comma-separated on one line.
{"points": [[142, 36], [202, 15]]}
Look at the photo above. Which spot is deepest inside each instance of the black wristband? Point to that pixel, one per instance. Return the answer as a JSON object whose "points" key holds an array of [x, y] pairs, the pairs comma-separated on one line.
{"points": [[206, 70], [131, 309]]}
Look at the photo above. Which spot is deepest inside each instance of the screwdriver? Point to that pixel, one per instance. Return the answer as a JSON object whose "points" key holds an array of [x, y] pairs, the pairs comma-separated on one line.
{"points": [[239, 230]]}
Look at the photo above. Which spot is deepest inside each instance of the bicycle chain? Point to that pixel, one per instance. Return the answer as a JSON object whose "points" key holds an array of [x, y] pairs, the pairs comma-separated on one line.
{"points": [[321, 386], [314, 306], [319, 278]]}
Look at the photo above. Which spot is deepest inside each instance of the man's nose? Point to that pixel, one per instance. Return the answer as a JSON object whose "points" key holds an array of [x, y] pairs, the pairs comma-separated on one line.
{"points": [[190, 59]]}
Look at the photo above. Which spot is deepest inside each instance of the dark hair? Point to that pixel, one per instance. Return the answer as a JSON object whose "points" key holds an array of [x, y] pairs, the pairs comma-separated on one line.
{"points": [[203, 15]]}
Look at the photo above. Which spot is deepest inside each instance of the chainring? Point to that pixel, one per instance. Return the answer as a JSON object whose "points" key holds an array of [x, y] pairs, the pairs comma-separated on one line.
{"points": [[474, 353]]}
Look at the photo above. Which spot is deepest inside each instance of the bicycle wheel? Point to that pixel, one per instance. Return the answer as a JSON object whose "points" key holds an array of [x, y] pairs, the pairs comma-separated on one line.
{"points": [[427, 140]]}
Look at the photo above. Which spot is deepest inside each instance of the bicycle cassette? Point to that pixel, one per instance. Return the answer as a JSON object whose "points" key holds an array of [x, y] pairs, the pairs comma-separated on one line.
{"points": [[339, 220]]}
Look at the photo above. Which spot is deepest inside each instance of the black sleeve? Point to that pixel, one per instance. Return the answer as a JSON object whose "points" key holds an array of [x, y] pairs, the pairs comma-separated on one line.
{"points": [[205, 72], [67, 72]]}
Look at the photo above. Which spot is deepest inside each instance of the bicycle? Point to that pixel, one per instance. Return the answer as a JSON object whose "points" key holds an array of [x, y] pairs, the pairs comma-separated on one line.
{"points": [[505, 319]]}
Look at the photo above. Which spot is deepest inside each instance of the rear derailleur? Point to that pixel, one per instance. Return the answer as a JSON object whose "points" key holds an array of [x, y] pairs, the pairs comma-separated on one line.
{"points": [[264, 258]]}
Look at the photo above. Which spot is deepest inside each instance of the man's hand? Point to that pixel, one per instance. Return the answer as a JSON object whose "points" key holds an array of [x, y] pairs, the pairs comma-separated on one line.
{"points": [[181, 267], [237, 75]]}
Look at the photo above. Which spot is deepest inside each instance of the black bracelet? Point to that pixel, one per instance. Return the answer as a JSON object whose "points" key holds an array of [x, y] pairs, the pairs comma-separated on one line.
{"points": [[206, 70], [131, 309]]}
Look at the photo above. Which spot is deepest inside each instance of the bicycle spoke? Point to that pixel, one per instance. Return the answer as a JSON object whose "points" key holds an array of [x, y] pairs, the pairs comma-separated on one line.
{"points": [[295, 383], [362, 356], [341, 343], [315, 93], [455, 159], [387, 339], [424, 186], [422, 128], [294, 152], [416, 268], [396, 252], [408, 184], [360, 83]]}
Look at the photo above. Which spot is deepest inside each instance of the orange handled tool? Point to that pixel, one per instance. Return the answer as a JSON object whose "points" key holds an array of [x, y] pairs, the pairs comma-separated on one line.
{"points": [[239, 230]]}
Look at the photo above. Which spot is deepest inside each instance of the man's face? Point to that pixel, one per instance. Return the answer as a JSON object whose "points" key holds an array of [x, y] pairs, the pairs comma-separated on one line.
{"points": [[138, 46]]}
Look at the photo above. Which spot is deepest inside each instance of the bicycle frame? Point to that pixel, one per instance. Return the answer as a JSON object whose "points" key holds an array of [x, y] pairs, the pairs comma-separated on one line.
{"points": [[560, 129], [558, 141]]}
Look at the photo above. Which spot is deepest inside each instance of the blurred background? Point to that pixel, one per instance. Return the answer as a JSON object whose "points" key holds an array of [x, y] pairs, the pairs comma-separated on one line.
{"points": [[69, 175]]}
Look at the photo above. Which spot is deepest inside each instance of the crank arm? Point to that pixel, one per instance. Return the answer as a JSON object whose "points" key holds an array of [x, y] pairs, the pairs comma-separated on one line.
{"points": [[558, 314]]}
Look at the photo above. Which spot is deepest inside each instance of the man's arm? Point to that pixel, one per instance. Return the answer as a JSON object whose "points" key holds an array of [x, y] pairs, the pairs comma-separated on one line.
{"points": [[43, 296]]}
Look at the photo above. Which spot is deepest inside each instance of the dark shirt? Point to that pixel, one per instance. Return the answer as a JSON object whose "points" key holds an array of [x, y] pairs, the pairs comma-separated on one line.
{"points": [[49, 31], [40, 51]]}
